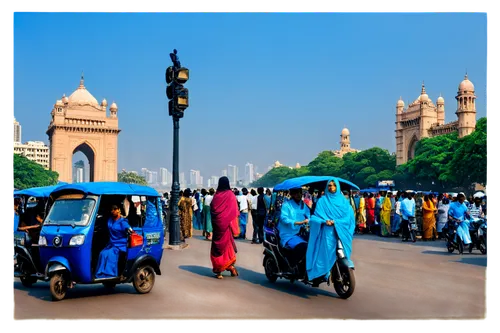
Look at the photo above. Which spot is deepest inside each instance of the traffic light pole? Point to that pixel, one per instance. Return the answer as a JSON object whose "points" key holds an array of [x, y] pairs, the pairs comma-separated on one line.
{"points": [[175, 77], [174, 225]]}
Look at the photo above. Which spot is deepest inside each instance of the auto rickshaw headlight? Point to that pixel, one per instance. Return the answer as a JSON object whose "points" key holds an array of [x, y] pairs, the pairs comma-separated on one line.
{"points": [[42, 241], [77, 240]]}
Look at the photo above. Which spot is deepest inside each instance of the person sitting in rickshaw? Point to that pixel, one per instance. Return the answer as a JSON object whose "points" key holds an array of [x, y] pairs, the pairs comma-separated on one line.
{"points": [[17, 202], [294, 214], [107, 264], [31, 223]]}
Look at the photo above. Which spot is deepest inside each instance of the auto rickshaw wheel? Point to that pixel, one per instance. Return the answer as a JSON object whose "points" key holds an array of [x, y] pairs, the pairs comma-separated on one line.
{"points": [[28, 281], [58, 287], [144, 279]]}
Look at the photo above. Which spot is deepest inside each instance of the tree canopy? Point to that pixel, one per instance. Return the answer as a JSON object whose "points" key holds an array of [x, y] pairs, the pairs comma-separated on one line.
{"points": [[131, 178], [441, 163], [29, 174]]}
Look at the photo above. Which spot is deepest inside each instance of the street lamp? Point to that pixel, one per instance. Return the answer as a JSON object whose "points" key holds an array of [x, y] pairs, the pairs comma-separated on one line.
{"points": [[178, 96]]}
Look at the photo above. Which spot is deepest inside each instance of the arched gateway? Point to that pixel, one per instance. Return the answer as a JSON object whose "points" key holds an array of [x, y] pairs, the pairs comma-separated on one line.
{"points": [[80, 124]]}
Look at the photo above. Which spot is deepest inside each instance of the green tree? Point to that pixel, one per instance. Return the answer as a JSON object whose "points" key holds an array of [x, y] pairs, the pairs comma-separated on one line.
{"points": [[29, 174], [131, 178], [325, 164], [468, 163]]}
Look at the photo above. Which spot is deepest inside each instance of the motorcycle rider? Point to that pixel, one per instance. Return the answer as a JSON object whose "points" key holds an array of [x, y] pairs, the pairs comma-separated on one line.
{"points": [[294, 214], [458, 212], [475, 210], [407, 210]]}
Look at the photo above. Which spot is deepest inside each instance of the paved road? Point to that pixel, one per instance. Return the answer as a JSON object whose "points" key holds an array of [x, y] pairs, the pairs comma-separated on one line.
{"points": [[394, 280]]}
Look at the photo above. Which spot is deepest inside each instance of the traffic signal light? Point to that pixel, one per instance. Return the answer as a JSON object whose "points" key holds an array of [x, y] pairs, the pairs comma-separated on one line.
{"points": [[178, 96]]}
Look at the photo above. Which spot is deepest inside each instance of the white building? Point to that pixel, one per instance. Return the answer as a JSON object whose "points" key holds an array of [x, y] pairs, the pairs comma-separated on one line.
{"points": [[35, 151], [195, 178], [79, 175], [163, 176], [224, 173], [214, 181], [17, 131], [249, 173], [232, 171]]}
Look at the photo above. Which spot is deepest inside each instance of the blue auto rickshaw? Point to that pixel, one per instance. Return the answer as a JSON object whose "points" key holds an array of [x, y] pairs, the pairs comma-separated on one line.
{"points": [[33, 202], [75, 232]]}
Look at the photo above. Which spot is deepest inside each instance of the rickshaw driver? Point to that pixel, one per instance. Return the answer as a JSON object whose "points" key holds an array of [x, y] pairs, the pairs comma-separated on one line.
{"points": [[107, 265], [294, 214]]}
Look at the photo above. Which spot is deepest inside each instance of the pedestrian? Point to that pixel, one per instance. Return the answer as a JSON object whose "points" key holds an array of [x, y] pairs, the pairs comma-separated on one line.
{"points": [[396, 222], [261, 214], [197, 225], [185, 214], [243, 206], [443, 207], [385, 216], [361, 216], [253, 210], [224, 213], [267, 199], [207, 218], [429, 220], [370, 212], [407, 211]]}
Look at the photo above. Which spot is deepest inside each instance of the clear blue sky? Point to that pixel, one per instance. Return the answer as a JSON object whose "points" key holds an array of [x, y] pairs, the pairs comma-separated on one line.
{"points": [[263, 87]]}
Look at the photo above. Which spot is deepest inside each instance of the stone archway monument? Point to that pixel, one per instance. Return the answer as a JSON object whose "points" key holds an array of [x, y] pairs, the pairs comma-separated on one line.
{"points": [[80, 124]]}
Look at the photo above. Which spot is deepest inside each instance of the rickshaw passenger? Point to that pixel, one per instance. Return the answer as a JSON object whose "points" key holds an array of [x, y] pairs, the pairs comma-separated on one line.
{"points": [[294, 214], [107, 265], [17, 201]]}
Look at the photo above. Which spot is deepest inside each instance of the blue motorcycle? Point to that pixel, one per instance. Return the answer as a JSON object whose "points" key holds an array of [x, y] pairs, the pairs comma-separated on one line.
{"points": [[478, 231]]}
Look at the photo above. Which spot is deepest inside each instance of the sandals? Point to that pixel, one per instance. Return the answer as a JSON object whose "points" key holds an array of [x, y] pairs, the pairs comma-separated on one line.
{"points": [[219, 276], [233, 271]]}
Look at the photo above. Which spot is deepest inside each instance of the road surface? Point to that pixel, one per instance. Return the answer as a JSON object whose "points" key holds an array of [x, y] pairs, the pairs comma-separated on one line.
{"points": [[394, 280]]}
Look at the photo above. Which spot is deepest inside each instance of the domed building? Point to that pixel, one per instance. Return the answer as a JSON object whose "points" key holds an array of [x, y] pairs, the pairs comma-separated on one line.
{"points": [[424, 119], [80, 124], [345, 144]]}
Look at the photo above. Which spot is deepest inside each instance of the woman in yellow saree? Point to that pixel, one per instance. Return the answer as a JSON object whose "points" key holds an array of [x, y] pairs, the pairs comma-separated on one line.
{"points": [[361, 216], [429, 219], [385, 216]]}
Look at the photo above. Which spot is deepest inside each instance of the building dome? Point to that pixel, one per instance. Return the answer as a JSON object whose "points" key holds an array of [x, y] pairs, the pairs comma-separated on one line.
{"points": [[113, 107], [297, 166], [401, 103], [466, 85], [65, 99], [81, 96], [104, 102], [440, 100], [345, 131], [59, 103]]}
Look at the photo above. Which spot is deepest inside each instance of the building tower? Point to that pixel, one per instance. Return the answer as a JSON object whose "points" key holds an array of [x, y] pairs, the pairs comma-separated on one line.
{"points": [[399, 131], [17, 131], [466, 108], [345, 141], [440, 110]]}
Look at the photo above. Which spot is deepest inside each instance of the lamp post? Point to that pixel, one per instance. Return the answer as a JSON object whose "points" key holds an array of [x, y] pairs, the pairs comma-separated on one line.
{"points": [[176, 76]]}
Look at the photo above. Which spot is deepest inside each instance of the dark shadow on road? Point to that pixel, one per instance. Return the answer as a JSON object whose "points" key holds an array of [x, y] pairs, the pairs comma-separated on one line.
{"points": [[466, 258], [297, 289], [371, 237], [41, 290]]}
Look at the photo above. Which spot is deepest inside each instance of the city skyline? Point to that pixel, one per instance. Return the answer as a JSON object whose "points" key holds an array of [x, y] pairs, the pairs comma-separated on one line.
{"points": [[365, 65]]}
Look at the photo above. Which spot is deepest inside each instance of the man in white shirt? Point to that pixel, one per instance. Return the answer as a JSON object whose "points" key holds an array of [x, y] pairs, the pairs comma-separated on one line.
{"points": [[243, 204]]}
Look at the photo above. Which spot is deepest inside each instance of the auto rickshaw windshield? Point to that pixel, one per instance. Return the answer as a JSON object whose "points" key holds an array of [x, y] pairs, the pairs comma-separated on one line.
{"points": [[70, 212]]}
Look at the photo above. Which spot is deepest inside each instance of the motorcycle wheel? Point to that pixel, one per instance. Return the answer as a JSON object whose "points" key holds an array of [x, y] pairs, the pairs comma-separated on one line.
{"points": [[270, 268], [344, 287], [450, 247], [482, 246], [471, 245], [413, 236], [144, 279]]}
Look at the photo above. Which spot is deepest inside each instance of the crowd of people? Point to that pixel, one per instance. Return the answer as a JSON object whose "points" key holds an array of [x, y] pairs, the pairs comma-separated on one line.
{"points": [[386, 213]]}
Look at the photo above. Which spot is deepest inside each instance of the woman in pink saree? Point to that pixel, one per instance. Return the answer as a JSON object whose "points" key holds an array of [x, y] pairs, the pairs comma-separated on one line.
{"points": [[224, 212]]}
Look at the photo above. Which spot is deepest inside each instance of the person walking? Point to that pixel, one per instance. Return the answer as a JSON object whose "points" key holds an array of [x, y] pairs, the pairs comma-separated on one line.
{"points": [[428, 219]]}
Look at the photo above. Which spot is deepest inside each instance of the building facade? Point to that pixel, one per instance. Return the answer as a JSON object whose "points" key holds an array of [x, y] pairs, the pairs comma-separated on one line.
{"points": [[17, 131], [35, 151], [80, 123], [249, 173], [424, 119]]}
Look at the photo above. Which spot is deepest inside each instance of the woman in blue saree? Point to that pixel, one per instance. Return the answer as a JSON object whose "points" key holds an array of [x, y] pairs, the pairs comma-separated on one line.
{"points": [[458, 211], [332, 211], [107, 265]]}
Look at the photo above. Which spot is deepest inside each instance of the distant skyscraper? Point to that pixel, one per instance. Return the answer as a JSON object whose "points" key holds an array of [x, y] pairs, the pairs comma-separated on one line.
{"points": [[249, 173], [154, 177], [201, 181], [79, 175], [224, 173], [232, 171], [169, 177], [214, 180], [17, 131], [163, 176], [182, 178], [144, 172], [149, 176]]}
